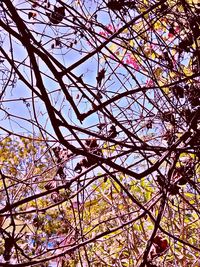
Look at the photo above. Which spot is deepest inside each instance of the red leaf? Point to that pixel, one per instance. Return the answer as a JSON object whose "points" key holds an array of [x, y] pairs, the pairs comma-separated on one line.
{"points": [[164, 244]]}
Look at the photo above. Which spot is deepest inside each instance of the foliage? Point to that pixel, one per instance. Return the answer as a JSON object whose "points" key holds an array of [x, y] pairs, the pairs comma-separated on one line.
{"points": [[100, 148]]}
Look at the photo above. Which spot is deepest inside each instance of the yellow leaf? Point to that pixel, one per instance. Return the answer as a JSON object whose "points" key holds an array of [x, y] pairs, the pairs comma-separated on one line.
{"points": [[157, 25], [164, 89], [131, 43], [187, 71], [153, 55], [113, 47], [173, 74], [193, 2], [158, 71]]}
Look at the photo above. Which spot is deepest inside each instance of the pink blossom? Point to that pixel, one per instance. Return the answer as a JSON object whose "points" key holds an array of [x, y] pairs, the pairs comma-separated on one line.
{"points": [[149, 83], [131, 61]]}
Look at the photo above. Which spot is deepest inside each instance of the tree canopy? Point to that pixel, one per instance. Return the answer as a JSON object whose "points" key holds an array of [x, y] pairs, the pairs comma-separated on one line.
{"points": [[99, 133]]}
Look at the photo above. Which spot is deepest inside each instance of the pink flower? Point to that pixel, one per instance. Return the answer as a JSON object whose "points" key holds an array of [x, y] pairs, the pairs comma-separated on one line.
{"points": [[149, 83], [102, 33], [131, 61]]}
